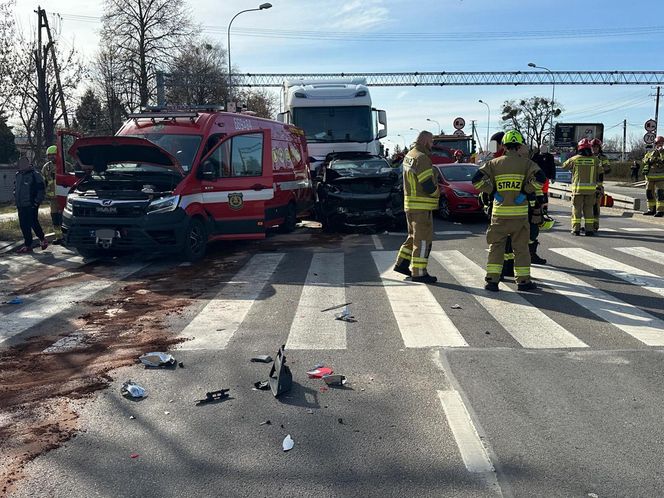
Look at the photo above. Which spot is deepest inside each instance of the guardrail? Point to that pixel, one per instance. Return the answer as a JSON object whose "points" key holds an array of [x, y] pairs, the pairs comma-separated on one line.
{"points": [[564, 191]]}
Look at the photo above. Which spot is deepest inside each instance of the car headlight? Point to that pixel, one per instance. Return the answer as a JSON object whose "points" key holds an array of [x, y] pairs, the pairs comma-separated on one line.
{"points": [[164, 204], [461, 193], [69, 206]]}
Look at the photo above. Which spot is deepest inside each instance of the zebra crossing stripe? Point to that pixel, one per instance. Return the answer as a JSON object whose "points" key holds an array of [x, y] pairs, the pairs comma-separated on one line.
{"points": [[646, 253], [422, 321], [636, 276], [643, 229], [59, 300], [218, 321], [454, 232], [527, 324], [628, 318], [311, 328]]}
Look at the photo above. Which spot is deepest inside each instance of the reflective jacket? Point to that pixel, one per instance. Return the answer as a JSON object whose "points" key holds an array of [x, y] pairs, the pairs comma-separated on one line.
{"points": [[507, 177], [420, 183], [586, 172], [605, 168], [653, 165]]}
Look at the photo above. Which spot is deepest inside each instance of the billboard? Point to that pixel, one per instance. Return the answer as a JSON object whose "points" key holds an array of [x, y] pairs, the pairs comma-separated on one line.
{"points": [[569, 134]]}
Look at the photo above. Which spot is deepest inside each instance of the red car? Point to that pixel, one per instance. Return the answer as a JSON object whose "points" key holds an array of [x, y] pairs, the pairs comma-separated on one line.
{"points": [[457, 194]]}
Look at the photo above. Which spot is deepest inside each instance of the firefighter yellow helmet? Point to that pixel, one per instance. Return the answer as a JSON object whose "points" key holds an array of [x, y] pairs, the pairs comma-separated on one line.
{"points": [[52, 150], [513, 137]]}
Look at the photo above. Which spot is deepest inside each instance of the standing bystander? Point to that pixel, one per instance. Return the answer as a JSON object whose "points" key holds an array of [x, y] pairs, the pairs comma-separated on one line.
{"points": [[29, 193]]}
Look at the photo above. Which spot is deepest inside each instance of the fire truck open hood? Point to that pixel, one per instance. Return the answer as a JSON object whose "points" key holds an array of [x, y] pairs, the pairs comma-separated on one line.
{"points": [[99, 152]]}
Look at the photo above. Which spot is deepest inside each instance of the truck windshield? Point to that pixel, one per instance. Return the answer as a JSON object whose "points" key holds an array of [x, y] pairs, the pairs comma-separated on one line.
{"points": [[182, 147], [462, 144], [335, 124]]}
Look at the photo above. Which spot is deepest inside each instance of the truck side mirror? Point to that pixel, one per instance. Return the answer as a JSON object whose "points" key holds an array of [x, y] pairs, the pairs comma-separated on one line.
{"points": [[207, 171], [382, 119], [281, 117]]}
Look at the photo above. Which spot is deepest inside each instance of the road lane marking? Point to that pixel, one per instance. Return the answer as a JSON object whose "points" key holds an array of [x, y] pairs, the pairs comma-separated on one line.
{"points": [[324, 286], [377, 243], [58, 300], [422, 321], [527, 324], [468, 441], [454, 232], [612, 230], [628, 318], [646, 253], [642, 229], [222, 316], [631, 274]]}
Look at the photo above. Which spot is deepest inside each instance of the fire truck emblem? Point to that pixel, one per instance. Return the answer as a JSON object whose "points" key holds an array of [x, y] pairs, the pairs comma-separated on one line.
{"points": [[235, 201]]}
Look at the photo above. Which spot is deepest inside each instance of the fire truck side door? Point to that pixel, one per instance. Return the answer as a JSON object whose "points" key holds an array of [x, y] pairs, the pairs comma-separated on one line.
{"points": [[65, 176], [236, 180]]}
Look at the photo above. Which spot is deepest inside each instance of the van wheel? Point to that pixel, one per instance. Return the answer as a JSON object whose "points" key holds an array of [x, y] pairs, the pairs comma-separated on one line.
{"points": [[290, 219], [195, 241]]}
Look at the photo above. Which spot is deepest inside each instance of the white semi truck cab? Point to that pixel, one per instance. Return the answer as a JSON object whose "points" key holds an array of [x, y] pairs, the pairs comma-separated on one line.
{"points": [[336, 115]]}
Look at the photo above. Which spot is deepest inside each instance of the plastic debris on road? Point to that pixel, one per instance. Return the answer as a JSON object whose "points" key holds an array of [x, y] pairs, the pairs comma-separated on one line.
{"points": [[345, 316], [457, 307], [213, 396], [16, 300], [288, 443], [132, 390], [335, 380], [281, 378], [157, 359], [262, 385], [262, 358], [345, 305], [134, 455], [319, 372]]}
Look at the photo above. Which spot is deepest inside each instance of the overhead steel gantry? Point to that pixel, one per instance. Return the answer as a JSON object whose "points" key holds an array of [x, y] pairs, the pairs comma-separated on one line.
{"points": [[466, 78]]}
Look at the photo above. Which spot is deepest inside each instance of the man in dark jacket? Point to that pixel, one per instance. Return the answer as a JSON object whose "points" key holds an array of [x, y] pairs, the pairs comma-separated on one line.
{"points": [[29, 193]]}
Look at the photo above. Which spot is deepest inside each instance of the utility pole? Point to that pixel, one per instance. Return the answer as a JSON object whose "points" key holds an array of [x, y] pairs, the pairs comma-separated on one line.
{"points": [[624, 147], [474, 133], [56, 69], [657, 111]]}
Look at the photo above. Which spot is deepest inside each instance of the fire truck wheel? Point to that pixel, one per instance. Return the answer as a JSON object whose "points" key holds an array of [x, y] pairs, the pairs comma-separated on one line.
{"points": [[195, 241], [290, 219]]}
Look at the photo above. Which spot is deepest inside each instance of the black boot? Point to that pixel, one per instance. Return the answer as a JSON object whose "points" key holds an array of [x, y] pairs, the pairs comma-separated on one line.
{"points": [[527, 286], [425, 279], [534, 258], [659, 214], [403, 268], [650, 212]]}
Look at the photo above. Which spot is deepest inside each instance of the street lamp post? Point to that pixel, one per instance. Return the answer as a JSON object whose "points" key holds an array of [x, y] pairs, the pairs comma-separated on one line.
{"points": [[437, 123], [262, 6], [488, 121], [402, 138], [553, 96]]}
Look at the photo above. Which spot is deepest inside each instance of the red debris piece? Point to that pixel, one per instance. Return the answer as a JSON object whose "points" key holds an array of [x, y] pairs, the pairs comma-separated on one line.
{"points": [[319, 373], [134, 455]]}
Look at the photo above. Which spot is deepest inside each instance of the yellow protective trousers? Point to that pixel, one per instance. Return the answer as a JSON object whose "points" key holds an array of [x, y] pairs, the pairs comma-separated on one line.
{"points": [[582, 209], [417, 247], [518, 229], [651, 194]]}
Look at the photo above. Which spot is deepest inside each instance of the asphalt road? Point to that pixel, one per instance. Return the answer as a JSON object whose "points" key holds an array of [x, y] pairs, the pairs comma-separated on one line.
{"points": [[453, 392]]}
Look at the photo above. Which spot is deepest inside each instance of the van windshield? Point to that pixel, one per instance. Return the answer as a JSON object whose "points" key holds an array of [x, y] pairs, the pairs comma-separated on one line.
{"points": [[182, 147], [335, 124]]}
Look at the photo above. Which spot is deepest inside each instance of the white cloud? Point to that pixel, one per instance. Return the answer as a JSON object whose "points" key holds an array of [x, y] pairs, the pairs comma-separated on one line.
{"points": [[361, 15]]}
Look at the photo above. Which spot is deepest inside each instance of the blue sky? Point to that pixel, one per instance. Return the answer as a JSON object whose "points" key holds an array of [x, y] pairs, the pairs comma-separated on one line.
{"points": [[398, 35]]}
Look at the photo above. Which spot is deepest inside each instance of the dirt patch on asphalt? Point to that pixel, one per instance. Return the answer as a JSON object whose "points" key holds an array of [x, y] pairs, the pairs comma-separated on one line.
{"points": [[39, 390]]}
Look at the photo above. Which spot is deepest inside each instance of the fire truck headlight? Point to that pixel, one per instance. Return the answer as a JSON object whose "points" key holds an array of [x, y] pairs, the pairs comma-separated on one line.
{"points": [[164, 205]]}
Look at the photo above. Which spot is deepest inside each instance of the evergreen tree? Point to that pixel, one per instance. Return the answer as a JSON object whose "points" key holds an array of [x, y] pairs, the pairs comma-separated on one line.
{"points": [[89, 113], [8, 150]]}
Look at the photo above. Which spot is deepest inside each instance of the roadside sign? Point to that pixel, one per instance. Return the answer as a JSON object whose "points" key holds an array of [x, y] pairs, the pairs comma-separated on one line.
{"points": [[568, 134], [649, 138], [459, 133], [459, 123], [650, 125]]}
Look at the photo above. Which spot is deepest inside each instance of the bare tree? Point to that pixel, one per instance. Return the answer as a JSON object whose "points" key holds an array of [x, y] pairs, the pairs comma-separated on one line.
{"points": [[531, 117], [148, 35], [111, 84], [198, 75], [8, 54], [636, 147], [261, 102]]}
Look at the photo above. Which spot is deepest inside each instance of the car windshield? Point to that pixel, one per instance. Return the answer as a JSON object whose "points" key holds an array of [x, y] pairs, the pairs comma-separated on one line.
{"points": [[459, 173], [182, 147], [361, 167], [335, 124]]}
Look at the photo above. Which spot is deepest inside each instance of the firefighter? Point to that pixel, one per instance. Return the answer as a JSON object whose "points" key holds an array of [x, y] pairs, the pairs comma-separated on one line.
{"points": [[421, 195], [653, 170], [509, 178], [458, 156], [605, 169], [48, 172], [586, 170]]}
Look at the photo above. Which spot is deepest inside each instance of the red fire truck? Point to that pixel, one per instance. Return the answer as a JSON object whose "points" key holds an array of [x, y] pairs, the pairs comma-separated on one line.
{"points": [[170, 181]]}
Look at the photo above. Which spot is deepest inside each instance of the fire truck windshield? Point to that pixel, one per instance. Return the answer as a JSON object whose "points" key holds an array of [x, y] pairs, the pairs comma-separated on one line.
{"points": [[182, 147], [335, 124]]}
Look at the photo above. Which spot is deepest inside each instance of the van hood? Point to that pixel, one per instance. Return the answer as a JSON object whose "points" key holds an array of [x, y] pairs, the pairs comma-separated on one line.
{"points": [[99, 152]]}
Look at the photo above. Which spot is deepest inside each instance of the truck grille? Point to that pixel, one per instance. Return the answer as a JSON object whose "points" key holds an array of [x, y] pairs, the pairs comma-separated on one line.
{"points": [[114, 211]]}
